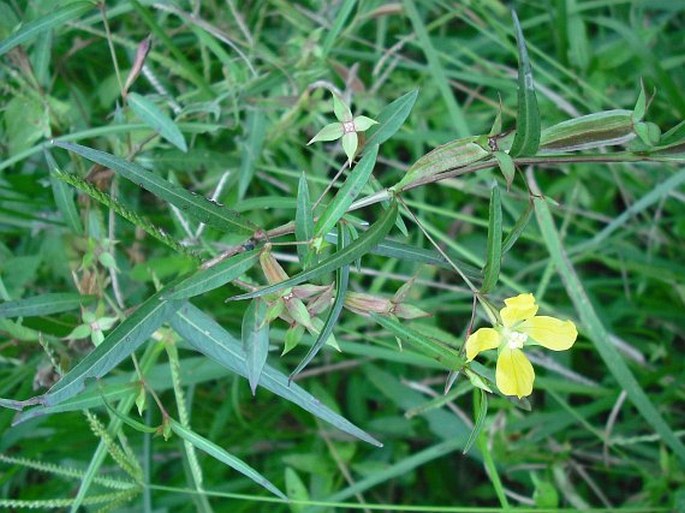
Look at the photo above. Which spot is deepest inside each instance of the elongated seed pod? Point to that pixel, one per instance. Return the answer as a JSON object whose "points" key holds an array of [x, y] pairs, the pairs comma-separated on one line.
{"points": [[607, 128], [457, 153]]}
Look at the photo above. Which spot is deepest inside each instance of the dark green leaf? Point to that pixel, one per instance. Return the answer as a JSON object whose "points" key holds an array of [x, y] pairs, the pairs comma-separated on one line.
{"points": [[517, 230], [304, 221], [64, 197], [342, 278], [200, 208], [364, 244], [210, 278], [208, 337], [527, 137], [251, 149], [347, 193], [480, 407], [46, 304], [391, 119]]}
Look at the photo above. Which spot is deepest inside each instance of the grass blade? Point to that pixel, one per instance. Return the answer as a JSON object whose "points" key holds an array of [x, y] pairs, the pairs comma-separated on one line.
{"points": [[342, 279], [494, 248], [436, 69], [223, 456], [391, 119], [447, 356], [517, 230], [45, 304], [153, 116], [340, 19], [44, 24], [208, 337], [481, 410], [347, 193], [527, 137], [598, 333], [255, 334], [200, 208], [64, 197], [364, 244], [213, 277]]}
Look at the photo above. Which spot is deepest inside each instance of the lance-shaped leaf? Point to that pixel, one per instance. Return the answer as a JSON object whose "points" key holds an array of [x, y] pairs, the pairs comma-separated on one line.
{"points": [[255, 341], [364, 244], [210, 278], [202, 209], [342, 278], [304, 222], [347, 193], [527, 137], [207, 336], [156, 119], [55, 18], [391, 119], [46, 304], [224, 456], [119, 344]]}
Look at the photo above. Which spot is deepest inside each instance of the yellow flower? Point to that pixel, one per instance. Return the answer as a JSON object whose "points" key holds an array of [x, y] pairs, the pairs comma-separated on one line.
{"points": [[520, 327]]}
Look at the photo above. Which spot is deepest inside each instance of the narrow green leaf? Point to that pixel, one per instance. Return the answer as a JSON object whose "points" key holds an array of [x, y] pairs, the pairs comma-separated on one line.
{"points": [[64, 197], [251, 149], [342, 279], [598, 334], [527, 137], [295, 489], [119, 344], [156, 119], [446, 355], [364, 244], [517, 230], [481, 409], [391, 119], [44, 24], [210, 278], [223, 456], [45, 304], [304, 221], [199, 207], [494, 248], [209, 338], [255, 341], [347, 193]]}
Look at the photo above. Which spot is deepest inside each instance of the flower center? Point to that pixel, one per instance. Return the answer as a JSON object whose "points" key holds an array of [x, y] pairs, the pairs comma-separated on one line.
{"points": [[348, 127], [515, 339]]}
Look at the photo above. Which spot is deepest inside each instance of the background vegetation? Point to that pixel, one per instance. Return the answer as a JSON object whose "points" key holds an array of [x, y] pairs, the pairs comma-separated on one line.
{"points": [[247, 85]]}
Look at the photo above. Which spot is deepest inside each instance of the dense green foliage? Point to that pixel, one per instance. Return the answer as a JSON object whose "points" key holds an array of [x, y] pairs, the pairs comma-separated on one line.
{"points": [[200, 311]]}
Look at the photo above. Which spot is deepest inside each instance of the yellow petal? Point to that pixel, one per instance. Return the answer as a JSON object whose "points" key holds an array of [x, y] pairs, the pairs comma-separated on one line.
{"points": [[482, 340], [549, 332], [519, 308], [514, 374]]}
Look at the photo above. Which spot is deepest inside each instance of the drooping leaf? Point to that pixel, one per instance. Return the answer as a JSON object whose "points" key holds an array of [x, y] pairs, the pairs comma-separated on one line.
{"points": [[196, 206], [527, 137], [224, 456], [364, 244], [255, 335], [208, 337], [342, 278], [156, 119], [481, 409]]}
